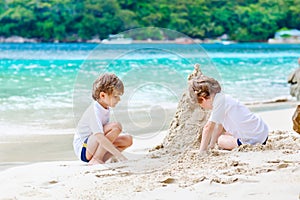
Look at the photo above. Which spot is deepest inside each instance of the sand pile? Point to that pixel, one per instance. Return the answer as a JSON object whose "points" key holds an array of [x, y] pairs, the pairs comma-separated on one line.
{"points": [[185, 130]]}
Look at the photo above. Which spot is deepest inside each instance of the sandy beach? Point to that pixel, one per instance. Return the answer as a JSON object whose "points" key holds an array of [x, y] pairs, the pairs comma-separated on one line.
{"points": [[248, 172]]}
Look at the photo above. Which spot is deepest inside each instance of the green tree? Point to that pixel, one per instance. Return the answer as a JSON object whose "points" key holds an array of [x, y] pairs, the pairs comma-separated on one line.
{"points": [[100, 18], [293, 14], [80, 20], [18, 18]]}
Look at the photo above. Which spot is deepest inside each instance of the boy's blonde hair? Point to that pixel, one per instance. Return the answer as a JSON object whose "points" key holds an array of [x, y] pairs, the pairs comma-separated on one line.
{"points": [[107, 83], [203, 86]]}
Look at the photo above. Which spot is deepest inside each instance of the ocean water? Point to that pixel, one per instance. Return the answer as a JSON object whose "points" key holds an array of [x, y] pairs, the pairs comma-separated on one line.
{"points": [[44, 88]]}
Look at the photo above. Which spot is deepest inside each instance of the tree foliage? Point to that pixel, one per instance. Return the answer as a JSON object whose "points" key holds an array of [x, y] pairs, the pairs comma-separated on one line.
{"points": [[80, 20]]}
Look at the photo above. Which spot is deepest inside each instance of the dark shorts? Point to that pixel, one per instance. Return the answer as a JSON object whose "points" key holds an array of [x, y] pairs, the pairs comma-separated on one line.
{"points": [[240, 143], [83, 151]]}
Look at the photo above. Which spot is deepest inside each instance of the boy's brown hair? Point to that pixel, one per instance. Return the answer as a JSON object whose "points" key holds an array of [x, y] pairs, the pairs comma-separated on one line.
{"points": [[107, 83], [203, 86]]}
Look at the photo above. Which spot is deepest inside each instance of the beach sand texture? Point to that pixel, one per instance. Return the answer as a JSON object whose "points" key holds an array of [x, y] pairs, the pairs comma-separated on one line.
{"points": [[169, 166]]}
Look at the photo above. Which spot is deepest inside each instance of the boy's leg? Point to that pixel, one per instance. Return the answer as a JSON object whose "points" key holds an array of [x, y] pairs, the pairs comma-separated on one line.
{"points": [[121, 142], [97, 154], [111, 131], [227, 141], [91, 149]]}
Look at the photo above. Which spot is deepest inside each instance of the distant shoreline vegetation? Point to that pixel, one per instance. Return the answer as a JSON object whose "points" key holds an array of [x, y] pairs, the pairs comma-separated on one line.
{"points": [[180, 40], [93, 21]]}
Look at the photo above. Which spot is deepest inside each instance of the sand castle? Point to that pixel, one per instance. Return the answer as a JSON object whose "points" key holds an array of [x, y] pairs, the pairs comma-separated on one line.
{"points": [[187, 124]]}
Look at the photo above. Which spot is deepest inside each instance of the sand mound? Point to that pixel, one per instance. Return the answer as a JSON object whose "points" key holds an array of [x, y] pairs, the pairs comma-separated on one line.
{"points": [[185, 130], [226, 167], [278, 140]]}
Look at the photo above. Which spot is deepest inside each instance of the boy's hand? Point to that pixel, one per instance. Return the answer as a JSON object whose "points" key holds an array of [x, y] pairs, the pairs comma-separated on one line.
{"points": [[203, 153], [211, 146]]}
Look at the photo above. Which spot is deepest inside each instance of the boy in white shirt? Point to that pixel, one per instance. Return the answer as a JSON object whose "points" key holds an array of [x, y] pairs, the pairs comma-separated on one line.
{"points": [[231, 124], [97, 139]]}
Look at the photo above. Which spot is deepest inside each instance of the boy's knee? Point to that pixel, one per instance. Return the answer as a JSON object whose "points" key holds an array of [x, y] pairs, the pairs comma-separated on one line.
{"points": [[117, 126], [222, 141], [219, 141], [129, 140], [227, 142]]}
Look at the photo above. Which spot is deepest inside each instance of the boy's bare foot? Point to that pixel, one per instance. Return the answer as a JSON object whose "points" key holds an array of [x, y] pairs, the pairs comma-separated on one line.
{"points": [[94, 161]]}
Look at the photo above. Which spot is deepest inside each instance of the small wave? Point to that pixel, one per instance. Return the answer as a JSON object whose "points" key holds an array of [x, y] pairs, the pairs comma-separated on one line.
{"points": [[19, 103], [12, 129], [272, 101]]}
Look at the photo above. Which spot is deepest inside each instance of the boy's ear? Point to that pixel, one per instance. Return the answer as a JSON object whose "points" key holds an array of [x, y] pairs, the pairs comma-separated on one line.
{"points": [[102, 95]]}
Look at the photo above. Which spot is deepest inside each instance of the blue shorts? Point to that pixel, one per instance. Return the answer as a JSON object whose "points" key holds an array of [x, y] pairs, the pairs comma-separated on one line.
{"points": [[240, 143], [83, 151]]}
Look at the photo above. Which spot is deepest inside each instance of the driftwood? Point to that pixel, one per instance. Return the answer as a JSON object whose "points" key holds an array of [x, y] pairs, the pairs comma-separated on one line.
{"points": [[296, 120], [294, 80]]}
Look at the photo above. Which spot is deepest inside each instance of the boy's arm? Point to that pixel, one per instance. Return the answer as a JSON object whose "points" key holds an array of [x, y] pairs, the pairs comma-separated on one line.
{"points": [[106, 144], [206, 135], [215, 135]]}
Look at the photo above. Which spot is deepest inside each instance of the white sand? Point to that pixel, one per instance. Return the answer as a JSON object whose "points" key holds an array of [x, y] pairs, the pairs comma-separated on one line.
{"points": [[279, 119], [257, 172]]}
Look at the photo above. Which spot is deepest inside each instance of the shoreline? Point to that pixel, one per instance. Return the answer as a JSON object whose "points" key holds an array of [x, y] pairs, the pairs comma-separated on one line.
{"points": [[277, 104], [180, 40], [194, 41]]}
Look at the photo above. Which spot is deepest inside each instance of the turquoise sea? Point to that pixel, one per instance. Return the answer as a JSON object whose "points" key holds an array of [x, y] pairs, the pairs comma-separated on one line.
{"points": [[46, 87]]}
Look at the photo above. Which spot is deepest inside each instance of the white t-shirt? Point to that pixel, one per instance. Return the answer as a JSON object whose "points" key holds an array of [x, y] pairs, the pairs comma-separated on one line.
{"points": [[91, 122], [238, 120]]}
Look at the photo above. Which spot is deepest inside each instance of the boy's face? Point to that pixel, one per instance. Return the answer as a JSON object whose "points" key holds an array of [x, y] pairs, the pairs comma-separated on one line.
{"points": [[110, 100], [206, 104]]}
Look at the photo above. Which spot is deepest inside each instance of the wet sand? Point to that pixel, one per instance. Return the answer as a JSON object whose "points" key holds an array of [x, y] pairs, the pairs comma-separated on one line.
{"points": [[20, 150]]}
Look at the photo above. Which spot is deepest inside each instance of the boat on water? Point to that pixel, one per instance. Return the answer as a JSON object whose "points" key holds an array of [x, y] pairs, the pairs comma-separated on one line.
{"points": [[117, 39]]}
